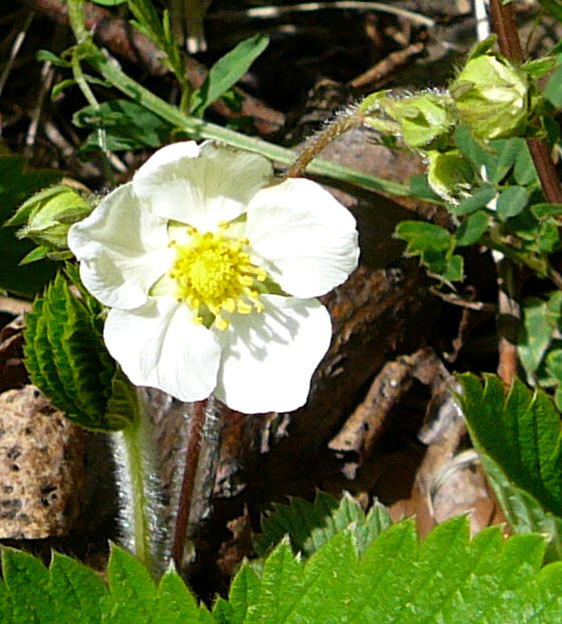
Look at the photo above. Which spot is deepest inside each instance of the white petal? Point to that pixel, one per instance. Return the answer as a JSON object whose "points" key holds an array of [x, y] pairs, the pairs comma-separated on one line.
{"points": [[158, 345], [268, 358], [307, 238], [122, 249], [200, 185]]}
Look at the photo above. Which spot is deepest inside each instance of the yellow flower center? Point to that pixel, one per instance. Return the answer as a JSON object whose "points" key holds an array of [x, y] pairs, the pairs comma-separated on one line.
{"points": [[214, 275]]}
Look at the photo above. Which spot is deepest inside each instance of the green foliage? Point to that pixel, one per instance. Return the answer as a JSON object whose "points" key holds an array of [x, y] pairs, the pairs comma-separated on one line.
{"points": [[445, 578], [128, 126], [519, 440], [539, 344], [226, 72], [310, 525], [66, 358], [434, 245], [70, 592], [109, 2], [17, 183]]}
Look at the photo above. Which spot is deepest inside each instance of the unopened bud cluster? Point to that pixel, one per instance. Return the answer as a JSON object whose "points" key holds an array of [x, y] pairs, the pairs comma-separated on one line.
{"points": [[490, 96]]}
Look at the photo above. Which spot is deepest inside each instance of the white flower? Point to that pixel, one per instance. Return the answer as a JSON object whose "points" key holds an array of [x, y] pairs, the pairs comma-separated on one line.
{"points": [[210, 269]]}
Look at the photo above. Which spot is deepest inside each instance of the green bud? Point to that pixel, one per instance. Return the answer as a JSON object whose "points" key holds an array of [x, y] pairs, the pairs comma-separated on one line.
{"points": [[48, 215], [491, 96], [450, 175], [424, 121]]}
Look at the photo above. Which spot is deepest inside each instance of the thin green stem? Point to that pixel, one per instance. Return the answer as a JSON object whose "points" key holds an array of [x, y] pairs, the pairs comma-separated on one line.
{"points": [[92, 101], [199, 129]]}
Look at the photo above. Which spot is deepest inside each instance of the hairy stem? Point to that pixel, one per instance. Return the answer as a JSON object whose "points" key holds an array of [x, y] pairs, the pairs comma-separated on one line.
{"points": [[199, 129], [139, 492], [185, 504], [319, 141]]}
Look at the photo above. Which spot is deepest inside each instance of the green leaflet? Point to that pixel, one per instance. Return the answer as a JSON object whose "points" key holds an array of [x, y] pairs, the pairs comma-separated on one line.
{"points": [[128, 125], [310, 525], [434, 245], [70, 592], [447, 578], [518, 437], [67, 359], [226, 72]]}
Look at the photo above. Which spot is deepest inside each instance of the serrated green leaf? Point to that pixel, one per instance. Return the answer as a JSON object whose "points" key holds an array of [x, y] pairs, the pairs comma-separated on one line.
{"points": [[71, 592], [310, 525], [521, 432], [133, 596], [176, 605], [76, 591], [244, 592], [282, 581], [226, 72], [27, 580], [434, 245], [511, 202], [67, 359], [445, 579], [524, 512], [519, 440]]}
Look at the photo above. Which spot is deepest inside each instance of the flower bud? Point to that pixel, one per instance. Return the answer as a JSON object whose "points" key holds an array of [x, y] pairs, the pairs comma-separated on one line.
{"points": [[48, 215], [450, 175], [491, 96], [424, 121]]}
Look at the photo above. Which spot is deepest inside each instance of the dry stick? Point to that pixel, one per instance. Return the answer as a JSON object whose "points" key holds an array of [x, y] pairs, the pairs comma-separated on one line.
{"points": [[188, 483]]}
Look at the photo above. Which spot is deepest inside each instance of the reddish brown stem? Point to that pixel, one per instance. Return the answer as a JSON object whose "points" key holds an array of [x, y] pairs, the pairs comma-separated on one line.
{"points": [[188, 483], [505, 26], [546, 169]]}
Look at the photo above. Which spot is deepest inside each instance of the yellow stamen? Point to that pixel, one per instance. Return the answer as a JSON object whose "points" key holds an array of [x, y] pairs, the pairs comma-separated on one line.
{"points": [[214, 274]]}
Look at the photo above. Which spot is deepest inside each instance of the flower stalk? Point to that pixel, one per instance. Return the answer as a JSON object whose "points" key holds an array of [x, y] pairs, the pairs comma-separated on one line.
{"points": [[185, 504], [139, 492]]}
